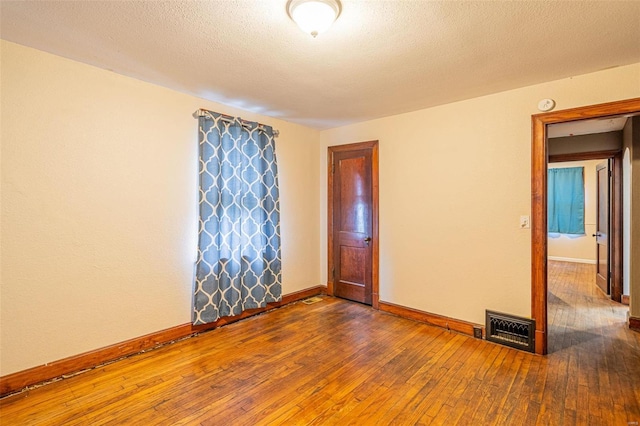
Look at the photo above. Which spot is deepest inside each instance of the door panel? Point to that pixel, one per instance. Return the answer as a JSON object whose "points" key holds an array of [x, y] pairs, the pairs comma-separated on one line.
{"points": [[355, 198], [352, 224], [352, 264], [602, 227]]}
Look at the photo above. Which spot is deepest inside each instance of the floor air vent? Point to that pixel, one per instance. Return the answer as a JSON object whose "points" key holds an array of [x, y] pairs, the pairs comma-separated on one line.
{"points": [[510, 330]]}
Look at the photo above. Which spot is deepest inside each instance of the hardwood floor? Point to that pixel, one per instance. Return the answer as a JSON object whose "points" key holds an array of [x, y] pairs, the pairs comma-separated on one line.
{"points": [[337, 362]]}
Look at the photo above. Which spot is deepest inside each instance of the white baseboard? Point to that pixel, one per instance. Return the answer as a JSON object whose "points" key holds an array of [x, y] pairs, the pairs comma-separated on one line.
{"points": [[571, 259]]}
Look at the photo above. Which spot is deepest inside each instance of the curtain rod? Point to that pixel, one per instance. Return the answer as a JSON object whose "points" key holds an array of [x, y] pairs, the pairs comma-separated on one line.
{"points": [[230, 119]]}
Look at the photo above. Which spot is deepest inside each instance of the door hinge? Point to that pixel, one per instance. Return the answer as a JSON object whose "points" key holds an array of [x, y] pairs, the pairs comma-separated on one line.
{"points": [[610, 174], [333, 167], [333, 273]]}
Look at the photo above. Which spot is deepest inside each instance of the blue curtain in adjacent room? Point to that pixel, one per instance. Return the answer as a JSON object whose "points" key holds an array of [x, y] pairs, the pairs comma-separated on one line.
{"points": [[565, 206], [239, 260]]}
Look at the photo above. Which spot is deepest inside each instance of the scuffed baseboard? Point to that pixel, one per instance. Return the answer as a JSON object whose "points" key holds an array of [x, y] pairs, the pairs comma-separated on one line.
{"points": [[454, 324], [68, 366]]}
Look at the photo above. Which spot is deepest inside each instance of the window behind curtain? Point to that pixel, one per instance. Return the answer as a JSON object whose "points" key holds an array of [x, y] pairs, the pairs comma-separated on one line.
{"points": [[565, 206], [239, 254]]}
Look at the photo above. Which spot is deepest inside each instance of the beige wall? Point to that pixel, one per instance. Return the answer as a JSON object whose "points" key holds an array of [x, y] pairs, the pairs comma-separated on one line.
{"points": [[454, 180], [99, 197], [578, 248]]}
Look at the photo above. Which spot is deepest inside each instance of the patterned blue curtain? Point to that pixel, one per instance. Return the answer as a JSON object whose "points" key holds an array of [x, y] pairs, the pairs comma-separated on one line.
{"points": [[565, 204], [238, 265]]}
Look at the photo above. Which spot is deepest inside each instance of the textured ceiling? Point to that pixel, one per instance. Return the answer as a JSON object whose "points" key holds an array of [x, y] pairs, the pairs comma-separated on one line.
{"points": [[381, 57]]}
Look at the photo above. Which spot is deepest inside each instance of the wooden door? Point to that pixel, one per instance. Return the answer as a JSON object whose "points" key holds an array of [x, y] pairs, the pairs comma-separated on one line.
{"points": [[603, 186], [353, 221]]}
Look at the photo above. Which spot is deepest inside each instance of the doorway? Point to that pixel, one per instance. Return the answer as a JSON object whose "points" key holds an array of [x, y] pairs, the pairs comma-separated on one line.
{"points": [[353, 222], [603, 204], [583, 306], [539, 244]]}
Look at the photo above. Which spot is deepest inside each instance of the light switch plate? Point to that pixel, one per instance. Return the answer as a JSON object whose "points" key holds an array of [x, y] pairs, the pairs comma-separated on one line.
{"points": [[524, 222]]}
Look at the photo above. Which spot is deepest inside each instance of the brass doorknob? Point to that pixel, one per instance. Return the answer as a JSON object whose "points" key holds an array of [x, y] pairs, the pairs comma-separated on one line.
{"points": [[367, 239]]}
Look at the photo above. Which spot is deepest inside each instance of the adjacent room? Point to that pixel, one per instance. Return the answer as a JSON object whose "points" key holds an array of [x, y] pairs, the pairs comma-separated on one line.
{"points": [[231, 212], [589, 234]]}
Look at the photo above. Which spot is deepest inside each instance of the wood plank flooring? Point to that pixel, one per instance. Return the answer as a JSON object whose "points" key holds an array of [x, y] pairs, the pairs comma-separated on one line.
{"points": [[337, 362]]}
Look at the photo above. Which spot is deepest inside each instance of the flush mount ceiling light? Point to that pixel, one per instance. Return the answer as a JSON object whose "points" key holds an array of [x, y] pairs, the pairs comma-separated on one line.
{"points": [[314, 16]]}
